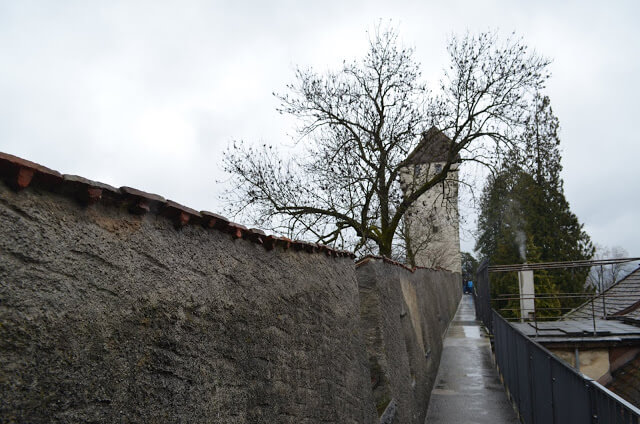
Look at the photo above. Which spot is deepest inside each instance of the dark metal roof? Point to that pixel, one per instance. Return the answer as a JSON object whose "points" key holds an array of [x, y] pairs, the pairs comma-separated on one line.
{"points": [[434, 146], [579, 331]]}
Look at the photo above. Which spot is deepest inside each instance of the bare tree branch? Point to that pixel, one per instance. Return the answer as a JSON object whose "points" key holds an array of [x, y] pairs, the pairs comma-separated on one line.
{"points": [[359, 124]]}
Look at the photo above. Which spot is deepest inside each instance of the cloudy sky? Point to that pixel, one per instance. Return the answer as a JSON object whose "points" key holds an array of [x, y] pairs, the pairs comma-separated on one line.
{"points": [[149, 93]]}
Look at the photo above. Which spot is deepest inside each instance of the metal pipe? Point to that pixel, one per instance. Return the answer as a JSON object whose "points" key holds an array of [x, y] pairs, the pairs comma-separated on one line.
{"points": [[559, 264]]}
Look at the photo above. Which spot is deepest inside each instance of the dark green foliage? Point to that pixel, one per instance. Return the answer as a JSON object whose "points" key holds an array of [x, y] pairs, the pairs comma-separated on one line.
{"points": [[469, 267], [504, 286], [525, 217]]}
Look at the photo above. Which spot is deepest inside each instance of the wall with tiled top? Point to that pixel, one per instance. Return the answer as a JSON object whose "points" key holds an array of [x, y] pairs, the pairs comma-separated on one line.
{"points": [[108, 316], [121, 306]]}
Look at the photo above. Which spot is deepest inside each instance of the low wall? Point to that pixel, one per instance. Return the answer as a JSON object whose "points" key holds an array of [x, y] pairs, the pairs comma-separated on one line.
{"points": [[404, 315]]}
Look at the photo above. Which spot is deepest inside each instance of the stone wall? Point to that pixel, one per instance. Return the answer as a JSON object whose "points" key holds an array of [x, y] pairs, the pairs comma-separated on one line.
{"points": [[106, 316], [120, 306], [404, 316]]}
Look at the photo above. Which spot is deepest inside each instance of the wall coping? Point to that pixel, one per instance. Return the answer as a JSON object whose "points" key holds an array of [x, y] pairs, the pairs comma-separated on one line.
{"points": [[386, 260], [20, 173]]}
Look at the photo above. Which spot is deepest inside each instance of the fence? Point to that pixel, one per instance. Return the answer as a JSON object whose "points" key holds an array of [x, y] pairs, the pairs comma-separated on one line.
{"points": [[482, 295], [548, 391]]}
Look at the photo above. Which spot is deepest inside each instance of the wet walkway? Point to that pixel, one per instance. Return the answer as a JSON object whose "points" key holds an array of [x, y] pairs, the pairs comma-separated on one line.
{"points": [[467, 388]]}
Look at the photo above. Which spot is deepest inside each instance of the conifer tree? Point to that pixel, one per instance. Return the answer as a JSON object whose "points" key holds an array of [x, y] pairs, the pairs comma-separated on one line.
{"points": [[525, 217]]}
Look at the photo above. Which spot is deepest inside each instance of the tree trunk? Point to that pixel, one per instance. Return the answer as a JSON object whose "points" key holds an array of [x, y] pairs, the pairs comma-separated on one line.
{"points": [[384, 249]]}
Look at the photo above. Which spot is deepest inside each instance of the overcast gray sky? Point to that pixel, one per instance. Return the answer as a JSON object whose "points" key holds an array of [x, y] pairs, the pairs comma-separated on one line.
{"points": [[149, 93]]}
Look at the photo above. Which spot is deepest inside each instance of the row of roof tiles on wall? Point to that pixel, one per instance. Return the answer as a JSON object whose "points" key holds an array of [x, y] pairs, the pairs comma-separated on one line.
{"points": [[386, 260], [19, 174]]}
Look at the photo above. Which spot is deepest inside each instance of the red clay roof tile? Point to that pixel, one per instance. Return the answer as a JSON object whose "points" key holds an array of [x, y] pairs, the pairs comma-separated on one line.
{"points": [[20, 173]]}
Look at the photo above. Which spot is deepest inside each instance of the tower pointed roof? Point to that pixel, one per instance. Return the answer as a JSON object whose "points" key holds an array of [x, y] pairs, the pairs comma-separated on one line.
{"points": [[434, 146]]}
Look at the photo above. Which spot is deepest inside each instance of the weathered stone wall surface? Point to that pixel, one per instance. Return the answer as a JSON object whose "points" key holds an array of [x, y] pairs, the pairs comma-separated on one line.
{"points": [[404, 317], [119, 306], [107, 316]]}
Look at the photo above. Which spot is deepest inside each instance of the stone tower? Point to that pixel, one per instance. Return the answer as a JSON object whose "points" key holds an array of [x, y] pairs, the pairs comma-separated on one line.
{"points": [[432, 222]]}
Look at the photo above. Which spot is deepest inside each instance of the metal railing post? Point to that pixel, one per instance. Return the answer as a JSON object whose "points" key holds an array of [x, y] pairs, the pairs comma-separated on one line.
{"points": [[604, 305], [593, 317]]}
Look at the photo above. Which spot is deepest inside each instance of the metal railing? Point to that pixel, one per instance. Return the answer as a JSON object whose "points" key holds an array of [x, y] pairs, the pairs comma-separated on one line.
{"points": [[546, 390], [482, 295], [597, 304], [588, 263], [549, 307]]}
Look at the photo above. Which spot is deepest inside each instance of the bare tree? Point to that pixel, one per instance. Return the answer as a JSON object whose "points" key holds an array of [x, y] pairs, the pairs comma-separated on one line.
{"points": [[357, 126], [601, 277]]}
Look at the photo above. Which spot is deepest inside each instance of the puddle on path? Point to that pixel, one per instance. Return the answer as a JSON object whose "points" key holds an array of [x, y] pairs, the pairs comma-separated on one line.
{"points": [[472, 332]]}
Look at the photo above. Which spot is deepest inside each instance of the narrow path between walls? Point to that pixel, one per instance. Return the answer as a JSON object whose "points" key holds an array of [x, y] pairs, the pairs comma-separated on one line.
{"points": [[467, 388]]}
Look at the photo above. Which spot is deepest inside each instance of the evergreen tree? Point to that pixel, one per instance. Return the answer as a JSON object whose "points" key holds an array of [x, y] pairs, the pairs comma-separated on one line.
{"points": [[525, 217], [541, 155], [469, 267]]}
